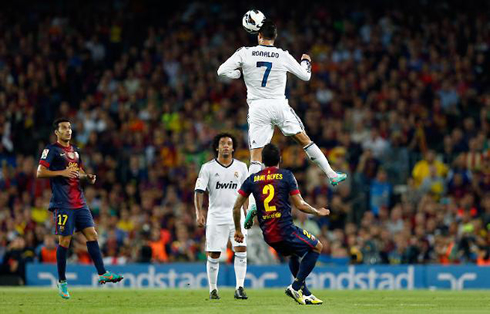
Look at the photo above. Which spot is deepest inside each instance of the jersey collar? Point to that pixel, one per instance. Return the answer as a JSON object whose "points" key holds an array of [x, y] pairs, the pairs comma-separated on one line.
{"points": [[232, 161], [267, 45], [61, 146]]}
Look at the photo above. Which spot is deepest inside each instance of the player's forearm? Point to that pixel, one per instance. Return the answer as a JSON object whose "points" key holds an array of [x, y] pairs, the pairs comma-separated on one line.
{"points": [[236, 217], [230, 69], [232, 74], [307, 208], [306, 73], [43, 173], [236, 211], [83, 174], [198, 200]]}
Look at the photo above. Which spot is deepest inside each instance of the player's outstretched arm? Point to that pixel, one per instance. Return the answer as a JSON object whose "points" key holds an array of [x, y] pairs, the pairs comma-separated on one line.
{"points": [[303, 206], [198, 200], [43, 173], [236, 217]]}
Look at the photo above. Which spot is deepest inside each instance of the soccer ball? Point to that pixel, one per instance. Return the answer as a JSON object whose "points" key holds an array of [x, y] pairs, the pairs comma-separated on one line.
{"points": [[252, 21]]}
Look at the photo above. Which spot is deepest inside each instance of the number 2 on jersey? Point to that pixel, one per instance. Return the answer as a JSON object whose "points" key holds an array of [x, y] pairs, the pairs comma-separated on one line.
{"points": [[268, 66], [268, 189]]}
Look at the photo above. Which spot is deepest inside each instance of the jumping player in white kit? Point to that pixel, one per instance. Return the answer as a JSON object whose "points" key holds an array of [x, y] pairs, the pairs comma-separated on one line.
{"points": [[221, 178], [265, 69]]}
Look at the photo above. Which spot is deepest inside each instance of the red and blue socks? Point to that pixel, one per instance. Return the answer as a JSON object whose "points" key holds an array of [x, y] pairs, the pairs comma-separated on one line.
{"points": [[61, 253], [96, 255]]}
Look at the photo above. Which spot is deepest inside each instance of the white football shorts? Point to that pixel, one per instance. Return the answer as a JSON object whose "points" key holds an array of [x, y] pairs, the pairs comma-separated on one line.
{"points": [[217, 237], [264, 114]]}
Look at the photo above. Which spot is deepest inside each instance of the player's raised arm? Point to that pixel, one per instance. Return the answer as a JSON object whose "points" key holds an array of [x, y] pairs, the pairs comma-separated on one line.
{"points": [[301, 70], [230, 68]]}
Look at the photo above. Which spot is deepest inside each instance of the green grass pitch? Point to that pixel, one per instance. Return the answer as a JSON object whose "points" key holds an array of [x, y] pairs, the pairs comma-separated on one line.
{"points": [[44, 300]]}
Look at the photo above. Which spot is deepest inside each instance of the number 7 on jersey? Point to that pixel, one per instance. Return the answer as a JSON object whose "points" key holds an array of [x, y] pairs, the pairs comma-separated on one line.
{"points": [[268, 66]]}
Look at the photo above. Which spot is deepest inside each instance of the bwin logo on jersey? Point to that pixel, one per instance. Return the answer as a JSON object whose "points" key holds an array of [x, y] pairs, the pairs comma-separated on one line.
{"points": [[229, 185]]}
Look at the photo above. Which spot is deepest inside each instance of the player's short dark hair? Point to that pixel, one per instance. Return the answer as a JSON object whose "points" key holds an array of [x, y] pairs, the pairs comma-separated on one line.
{"points": [[56, 123], [271, 155], [218, 137], [268, 30]]}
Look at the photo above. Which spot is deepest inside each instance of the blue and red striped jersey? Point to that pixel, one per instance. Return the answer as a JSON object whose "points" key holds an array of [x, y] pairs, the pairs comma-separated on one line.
{"points": [[67, 193], [271, 189]]}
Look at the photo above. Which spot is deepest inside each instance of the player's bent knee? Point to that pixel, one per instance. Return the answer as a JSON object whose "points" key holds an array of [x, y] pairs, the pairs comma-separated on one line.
{"points": [[64, 241], [256, 154], [214, 254], [240, 249], [302, 139], [90, 234]]}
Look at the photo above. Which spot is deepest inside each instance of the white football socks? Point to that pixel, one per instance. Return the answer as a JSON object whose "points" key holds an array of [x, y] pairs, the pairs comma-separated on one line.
{"points": [[212, 267], [255, 166], [240, 268], [316, 155]]}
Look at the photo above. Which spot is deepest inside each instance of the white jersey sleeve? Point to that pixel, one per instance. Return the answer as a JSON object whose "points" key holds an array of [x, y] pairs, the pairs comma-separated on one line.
{"points": [[230, 68], [202, 180], [302, 71]]}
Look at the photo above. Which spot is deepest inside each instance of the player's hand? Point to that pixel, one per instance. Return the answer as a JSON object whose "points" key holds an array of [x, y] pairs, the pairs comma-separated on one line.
{"points": [[322, 212], [200, 221], [239, 236], [91, 178], [70, 173], [306, 57]]}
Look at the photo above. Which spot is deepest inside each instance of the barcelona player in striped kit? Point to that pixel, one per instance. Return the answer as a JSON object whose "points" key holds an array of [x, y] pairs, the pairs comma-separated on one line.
{"points": [[272, 188], [62, 164]]}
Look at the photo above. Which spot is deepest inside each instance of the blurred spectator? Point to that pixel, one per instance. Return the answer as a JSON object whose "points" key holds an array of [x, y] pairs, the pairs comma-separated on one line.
{"points": [[380, 192], [422, 168], [46, 252]]}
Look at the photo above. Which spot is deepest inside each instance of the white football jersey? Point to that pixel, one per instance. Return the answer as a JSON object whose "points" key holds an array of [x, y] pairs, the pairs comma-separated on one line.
{"points": [[222, 184], [265, 70]]}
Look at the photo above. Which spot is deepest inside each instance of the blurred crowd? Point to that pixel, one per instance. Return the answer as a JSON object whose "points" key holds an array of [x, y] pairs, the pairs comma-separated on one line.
{"points": [[399, 99]]}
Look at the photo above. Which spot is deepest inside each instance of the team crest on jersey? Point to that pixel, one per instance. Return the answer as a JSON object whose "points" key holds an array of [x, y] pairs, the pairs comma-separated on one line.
{"points": [[237, 174]]}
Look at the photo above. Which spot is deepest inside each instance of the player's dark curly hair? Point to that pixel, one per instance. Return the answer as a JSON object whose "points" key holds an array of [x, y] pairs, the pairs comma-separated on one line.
{"points": [[218, 137], [268, 30], [57, 122], [271, 155]]}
